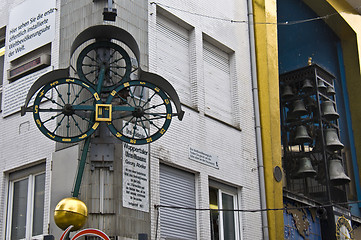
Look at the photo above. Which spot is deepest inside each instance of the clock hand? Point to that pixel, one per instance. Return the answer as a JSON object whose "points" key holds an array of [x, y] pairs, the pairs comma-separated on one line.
{"points": [[345, 235]]}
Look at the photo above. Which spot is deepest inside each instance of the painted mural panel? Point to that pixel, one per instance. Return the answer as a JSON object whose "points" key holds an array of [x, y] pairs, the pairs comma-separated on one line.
{"points": [[301, 223]]}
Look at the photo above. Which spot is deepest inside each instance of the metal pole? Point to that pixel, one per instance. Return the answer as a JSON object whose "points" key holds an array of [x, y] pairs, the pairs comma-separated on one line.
{"points": [[84, 154], [81, 167]]}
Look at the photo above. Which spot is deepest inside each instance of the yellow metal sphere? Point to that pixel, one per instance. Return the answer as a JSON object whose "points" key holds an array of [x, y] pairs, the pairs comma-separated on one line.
{"points": [[70, 211]]}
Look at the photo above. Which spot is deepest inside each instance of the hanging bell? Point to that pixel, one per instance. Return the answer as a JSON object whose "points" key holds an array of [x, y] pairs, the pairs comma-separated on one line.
{"points": [[291, 117], [321, 85], [311, 103], [330, 90], [299, 108], [307, 85], [332, 141], [305, 168], [287, 92], [337, 173], [302, 135], [328, 111]]}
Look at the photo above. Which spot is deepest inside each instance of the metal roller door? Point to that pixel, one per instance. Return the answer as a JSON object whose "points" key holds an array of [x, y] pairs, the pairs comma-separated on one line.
{"points": [[177, 188]]}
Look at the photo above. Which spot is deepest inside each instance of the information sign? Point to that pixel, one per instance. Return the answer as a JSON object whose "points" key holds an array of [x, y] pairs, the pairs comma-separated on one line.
{"points": [[15, 93], [136, 174], [31, 25], [203, 157]]}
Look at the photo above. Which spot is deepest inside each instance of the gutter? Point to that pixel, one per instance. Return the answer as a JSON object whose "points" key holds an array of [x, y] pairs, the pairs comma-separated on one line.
{"points": [[257, 121]]}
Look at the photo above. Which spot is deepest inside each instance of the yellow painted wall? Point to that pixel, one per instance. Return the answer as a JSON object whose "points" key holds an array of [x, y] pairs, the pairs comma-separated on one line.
{"points": [[267, 71]]}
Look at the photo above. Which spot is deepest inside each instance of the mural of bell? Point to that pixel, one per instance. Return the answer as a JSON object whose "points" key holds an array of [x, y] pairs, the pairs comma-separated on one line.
{"points": [[332, 141], [305, 168], [337, 173], [299, 108], [328, 111], [302, 135]]}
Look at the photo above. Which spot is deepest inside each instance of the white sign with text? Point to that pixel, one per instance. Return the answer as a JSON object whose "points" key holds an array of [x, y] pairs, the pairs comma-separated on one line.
{"points": [[15, 93], [135, 175], [203, 157], [31, 25]]}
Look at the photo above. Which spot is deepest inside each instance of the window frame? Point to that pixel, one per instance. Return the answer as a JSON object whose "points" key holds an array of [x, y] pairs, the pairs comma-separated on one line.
{"points": [[29, 206], [231, 192]]}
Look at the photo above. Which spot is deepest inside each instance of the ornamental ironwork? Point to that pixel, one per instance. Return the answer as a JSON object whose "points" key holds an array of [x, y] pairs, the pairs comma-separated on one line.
{"points": [[107, 86]]}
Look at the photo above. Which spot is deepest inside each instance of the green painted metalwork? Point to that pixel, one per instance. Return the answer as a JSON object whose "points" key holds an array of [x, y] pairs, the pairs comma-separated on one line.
{"points": [[66, 114], [69, 110], [81, 167], [84, 153], [150, 118], [110, 57]]}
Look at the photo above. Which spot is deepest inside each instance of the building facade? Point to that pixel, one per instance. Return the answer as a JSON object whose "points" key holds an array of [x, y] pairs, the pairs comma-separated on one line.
{"points": [[206, 162]]}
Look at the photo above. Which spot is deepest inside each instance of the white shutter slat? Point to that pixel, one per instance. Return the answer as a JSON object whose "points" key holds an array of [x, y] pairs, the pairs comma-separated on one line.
{"points": [[177, 188], [173, 61], [218, 95]]}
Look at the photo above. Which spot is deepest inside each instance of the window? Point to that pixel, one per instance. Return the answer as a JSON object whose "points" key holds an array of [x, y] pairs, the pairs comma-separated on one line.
{"points": [[218, 83], [224, 224], [173, 57], [177, 188], [26, 204]]}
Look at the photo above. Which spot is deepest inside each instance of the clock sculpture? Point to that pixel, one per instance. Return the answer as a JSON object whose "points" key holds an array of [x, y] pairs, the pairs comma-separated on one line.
{"points": [[106, 84], [107, 87]]}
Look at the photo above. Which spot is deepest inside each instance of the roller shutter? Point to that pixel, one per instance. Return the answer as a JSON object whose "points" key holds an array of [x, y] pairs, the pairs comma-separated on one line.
{"points": [[217, 79], [177, 188], [173, 61]]}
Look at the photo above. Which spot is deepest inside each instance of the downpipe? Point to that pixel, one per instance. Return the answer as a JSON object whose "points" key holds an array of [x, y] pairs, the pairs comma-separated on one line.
{"points": [[257, 121]]}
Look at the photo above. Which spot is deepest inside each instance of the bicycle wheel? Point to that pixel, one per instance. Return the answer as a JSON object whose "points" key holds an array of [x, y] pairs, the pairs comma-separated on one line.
{"points": [[112, 57], [141, 112], [64, 110]]}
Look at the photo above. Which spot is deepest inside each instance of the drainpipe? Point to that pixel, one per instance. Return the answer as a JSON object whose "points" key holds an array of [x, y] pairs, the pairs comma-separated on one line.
{"points": [[257, 121]]}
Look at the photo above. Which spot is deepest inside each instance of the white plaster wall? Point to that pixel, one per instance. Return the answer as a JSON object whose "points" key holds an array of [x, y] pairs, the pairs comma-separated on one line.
{"points": [[21, 145], [21, 142], [236, 149]]}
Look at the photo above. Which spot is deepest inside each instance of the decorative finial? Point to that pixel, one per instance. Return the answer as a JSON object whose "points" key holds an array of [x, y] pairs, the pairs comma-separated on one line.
{"points": [[70, 211], [309, 61]]}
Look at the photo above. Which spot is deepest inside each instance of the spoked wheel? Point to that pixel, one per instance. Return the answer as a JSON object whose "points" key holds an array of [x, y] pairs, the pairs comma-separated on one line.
{"points": [[148, 116], [113, 58], [64, 110]]}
